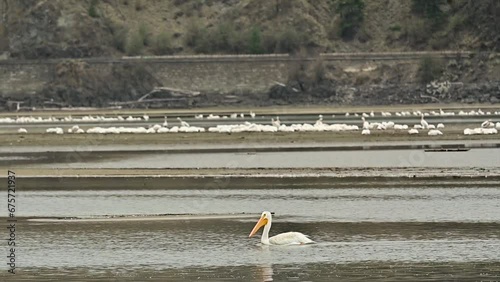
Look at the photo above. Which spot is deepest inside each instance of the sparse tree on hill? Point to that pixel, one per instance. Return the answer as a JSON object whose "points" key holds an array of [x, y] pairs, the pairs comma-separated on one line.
{"points": [[255, 47], [351, 16]]}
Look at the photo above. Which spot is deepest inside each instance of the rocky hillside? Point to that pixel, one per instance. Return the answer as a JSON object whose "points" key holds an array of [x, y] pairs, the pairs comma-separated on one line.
{"points": [[44, 29], [37, 29]]}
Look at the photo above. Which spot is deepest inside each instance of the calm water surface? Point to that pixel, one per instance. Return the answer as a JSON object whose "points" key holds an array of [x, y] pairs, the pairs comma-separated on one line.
{"points": [[486, 157], [379, 234]]}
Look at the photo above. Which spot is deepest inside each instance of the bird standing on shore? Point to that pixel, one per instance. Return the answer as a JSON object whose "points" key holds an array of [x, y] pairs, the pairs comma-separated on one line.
{"points": [[423, 122], [366, 124], [183, 123], [319, 121], [487, 124], [276, 122]]}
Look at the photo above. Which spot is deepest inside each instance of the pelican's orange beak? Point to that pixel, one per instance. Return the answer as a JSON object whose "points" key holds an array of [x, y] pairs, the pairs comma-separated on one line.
{"points": [[262, 221]]}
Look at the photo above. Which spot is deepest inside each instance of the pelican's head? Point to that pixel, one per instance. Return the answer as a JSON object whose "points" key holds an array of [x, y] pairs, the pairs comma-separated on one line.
{"points": [[263, 220]]}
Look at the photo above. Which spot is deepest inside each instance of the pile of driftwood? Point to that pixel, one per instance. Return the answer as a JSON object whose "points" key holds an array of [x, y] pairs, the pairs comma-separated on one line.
{"points": [[161, 97]]}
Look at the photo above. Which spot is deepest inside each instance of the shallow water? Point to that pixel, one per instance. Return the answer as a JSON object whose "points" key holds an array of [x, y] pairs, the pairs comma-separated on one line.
{"points": [[380, 234], [305, 205], [485, 157]]}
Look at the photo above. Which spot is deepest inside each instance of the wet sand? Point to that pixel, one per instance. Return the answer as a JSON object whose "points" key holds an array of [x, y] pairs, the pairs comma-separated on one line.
{"points": [[330, 178]]}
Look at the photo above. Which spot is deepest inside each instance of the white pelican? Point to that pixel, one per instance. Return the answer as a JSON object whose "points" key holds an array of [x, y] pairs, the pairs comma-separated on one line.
{"points": [[22, 130], [424, 123], [487, 123], [276, 122], [366, 125], [288, 238], [413, 131], [183, 123], [434, 132], [319, 121]]}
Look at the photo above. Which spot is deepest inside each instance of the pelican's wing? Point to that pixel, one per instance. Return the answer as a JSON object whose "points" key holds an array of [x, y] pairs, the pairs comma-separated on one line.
{"points": [[290, 238]]}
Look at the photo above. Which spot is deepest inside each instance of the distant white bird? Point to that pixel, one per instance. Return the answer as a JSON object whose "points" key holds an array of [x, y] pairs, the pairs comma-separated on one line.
{"points": [[156, 127], [252, 114], [276, 122], [56, 130], [319, 121], [22, 130], [366, 124], [413, 131], [487, 123], [183, 123], [165, 122], [434, 132], [365, 131], [146, 117], [288, 238], [401, 126], [163, 130], [440, 125], [424, 123], [211, 116]]}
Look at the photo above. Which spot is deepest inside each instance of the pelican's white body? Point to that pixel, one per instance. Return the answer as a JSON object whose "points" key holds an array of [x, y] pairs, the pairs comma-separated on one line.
{"points": [[288, 238]]}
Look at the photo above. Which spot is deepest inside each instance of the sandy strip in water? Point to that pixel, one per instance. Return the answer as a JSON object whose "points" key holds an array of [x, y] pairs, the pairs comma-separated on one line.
{"points": [[168, 217], [261, 172]]}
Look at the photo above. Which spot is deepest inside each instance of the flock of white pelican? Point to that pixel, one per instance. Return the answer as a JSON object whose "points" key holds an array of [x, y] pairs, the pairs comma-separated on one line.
{"points": [[276, 125]]}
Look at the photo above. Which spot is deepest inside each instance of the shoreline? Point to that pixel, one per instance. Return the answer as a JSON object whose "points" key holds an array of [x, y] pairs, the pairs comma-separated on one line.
{"points": [[206, 179], [79, 141]]}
